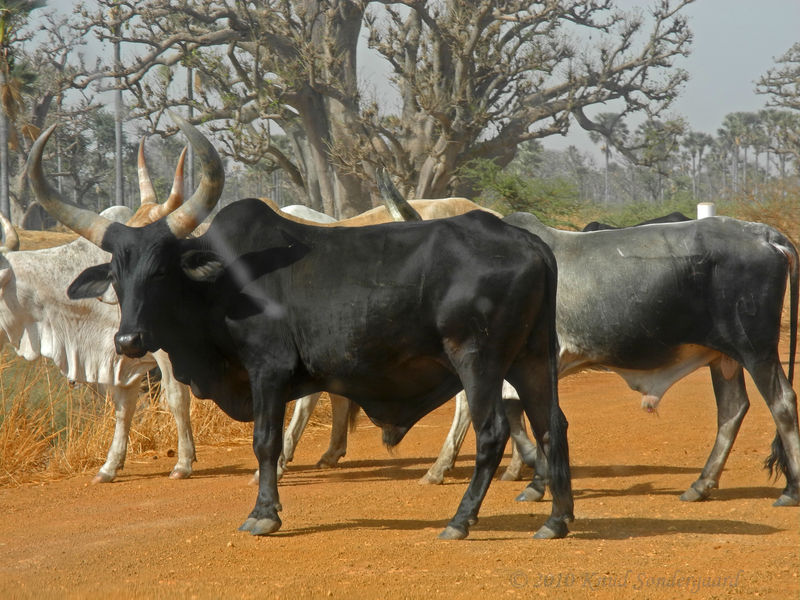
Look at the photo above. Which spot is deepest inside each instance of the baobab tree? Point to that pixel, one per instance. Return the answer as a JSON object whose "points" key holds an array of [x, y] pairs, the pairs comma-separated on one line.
{"points": [[465, 80]]}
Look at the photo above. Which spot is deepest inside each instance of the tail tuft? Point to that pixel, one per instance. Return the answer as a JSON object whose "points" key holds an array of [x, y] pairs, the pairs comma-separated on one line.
{"points": [[777, 462], [353, 410]]}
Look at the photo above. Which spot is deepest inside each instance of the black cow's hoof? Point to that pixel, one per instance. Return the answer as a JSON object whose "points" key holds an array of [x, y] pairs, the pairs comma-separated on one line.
{"points": [[248, 524], [786, 500], [260, 526], [530, 494], [265, 527], [453, 533], [551, 531]]}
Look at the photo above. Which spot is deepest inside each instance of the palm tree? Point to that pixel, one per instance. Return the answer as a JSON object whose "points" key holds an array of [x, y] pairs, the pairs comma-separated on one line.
{"points": [[696, 143], [732, 134], [13, 15]]}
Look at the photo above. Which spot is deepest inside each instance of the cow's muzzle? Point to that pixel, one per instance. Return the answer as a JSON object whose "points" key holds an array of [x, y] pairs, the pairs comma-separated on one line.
{"points": [[130, 344]]}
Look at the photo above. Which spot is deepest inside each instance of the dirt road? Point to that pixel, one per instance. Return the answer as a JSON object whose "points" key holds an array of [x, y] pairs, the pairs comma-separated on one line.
{"points": [[367, 529]]}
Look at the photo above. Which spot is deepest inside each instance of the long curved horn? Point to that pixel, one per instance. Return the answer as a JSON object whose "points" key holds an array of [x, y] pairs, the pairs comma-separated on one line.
{"points": [[147, 192], [184, 220], [398, 207], [82, 221], [176, 194], [10, 237]]}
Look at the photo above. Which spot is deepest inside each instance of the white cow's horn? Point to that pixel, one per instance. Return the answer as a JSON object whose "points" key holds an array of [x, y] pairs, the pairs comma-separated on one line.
{"points": [[183, 220], [147, 192]]}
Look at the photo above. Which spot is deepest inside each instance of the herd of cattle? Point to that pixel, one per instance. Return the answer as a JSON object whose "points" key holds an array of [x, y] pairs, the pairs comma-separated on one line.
{"points": [[266, 306]]}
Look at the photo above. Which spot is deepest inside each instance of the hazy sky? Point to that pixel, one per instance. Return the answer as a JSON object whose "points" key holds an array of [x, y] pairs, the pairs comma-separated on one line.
{"points": [[735, 42]]}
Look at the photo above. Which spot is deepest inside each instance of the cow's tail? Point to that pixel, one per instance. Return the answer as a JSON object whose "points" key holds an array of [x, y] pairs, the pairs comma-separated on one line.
{"points": [[777, 462], [794, 268], [558, 460]]}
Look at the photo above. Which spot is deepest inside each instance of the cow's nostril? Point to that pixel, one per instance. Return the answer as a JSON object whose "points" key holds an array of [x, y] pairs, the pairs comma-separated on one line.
{"points": [[130, 344]]}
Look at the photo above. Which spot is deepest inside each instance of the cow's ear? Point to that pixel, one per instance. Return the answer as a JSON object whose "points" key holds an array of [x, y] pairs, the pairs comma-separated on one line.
{"points": [[202, 265], [92, 283]]}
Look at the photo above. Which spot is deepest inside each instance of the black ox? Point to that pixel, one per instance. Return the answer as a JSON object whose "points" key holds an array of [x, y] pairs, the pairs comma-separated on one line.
{"points": [[673, 217], [399, 317]]}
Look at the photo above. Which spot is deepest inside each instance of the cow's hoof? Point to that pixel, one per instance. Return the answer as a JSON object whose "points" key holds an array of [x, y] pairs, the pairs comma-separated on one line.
{"points": [[180, 474], [510, 475], [260, 526], [551, 531], [453, 533], [530, 494], [786, 500], [699, 490], [692, 495], [103, 478], [328, 463], [431, 479]]}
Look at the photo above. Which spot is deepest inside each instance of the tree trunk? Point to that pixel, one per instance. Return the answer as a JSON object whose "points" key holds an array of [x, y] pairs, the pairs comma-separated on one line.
{"points": [[119, 191], [5, 206]]}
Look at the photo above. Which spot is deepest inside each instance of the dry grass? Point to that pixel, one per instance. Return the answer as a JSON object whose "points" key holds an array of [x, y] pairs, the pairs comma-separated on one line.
{"points": [[46, 427], [50, 430], [778, 207]]}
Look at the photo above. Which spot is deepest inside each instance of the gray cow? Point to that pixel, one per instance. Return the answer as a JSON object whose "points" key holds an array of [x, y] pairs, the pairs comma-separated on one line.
{"points": [[656, 302]]}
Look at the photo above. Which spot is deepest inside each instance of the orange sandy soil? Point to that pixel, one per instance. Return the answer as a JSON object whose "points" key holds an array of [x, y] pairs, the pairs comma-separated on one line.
{"points": [[367, 529]]}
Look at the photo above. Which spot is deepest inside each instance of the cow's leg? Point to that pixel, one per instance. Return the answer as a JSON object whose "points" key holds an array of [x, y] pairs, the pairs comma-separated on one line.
{"points": [[269, 407], [303, 407], [179, 402], [732, 404], [536, 382], [523, 451], [491, 434], [527, 451], [452, 444], [513, 471], [124, 399], [782, 402], [340, 417]]}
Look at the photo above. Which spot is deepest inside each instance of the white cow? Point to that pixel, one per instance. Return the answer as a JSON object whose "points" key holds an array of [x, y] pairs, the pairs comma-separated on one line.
{"points": [[38, 319], [309, 214]]}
